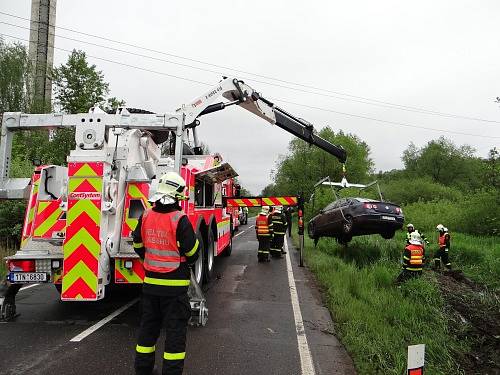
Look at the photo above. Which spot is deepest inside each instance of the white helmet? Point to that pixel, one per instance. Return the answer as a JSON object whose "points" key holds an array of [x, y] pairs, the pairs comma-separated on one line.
{"points": [[278, 209], [415, 238], [170, 188], [265, 210], [440, 228], [410, 225]]}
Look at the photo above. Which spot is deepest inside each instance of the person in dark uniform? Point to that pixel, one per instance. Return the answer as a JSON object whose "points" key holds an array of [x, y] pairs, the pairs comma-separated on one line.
{"points": [[444, 242], [164, 238], [288, 214], [264, 232], [278, 219]]}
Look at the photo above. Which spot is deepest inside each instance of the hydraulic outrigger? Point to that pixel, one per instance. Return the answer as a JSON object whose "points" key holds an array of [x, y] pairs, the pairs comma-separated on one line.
{"points": [[97, 137]]}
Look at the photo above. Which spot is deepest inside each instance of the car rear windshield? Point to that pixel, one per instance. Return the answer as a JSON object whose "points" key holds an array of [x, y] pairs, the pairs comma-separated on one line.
{"points": [[363, 200]]}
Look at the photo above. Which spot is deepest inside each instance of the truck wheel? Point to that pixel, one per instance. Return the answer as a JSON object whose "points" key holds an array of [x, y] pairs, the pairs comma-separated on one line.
{"points": [[209, 258], [199, 264], [227, 251]]}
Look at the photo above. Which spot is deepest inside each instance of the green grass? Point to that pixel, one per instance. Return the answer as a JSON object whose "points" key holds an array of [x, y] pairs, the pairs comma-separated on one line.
{"points": [[376, 320]]}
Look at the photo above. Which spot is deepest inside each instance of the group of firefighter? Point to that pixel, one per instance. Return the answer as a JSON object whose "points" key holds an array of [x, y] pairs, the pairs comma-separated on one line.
{"points": [[414, 255], [270, 227]]}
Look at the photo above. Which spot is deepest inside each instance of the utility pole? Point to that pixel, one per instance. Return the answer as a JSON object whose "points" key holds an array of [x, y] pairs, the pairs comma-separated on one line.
{"points": [[41, 51]]}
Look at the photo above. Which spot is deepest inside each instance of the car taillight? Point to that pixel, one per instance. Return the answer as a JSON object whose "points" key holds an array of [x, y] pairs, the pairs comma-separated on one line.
{"points": [[21, 265], [399, 210], [370, 206]]}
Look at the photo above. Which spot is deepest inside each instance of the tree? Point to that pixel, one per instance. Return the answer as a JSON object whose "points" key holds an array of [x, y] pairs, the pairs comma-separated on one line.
{"points": [[14, 78], [305, 164], [445, 163]]}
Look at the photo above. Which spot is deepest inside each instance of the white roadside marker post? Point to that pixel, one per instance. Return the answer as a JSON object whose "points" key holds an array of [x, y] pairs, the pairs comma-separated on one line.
{"points": [[416, 357]]}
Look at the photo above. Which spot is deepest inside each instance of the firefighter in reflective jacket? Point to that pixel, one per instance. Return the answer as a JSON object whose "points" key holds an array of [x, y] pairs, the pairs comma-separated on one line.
{"points": [[279, 222], [413, 258], [264, 232], [444, 246], [164, 238]]}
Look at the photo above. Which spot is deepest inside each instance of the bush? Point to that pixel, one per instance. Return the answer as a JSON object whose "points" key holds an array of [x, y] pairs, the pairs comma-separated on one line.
{"points": [[411, 190]]}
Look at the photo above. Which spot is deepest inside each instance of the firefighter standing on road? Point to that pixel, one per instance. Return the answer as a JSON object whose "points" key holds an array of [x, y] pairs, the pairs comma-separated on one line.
{"points": [[288, 214], [264, 232], [278, 219], [444, 246], [165, 240], [413, 258]]}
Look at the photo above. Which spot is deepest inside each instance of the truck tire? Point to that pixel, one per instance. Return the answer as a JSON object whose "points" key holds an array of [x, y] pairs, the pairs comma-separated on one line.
{"points": [[228, 250], [209, 257], [199, 265]]}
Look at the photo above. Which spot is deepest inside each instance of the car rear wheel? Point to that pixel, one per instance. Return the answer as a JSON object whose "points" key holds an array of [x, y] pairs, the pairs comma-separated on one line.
{"points": [[387, 235], [343, 240], [347, 225]]}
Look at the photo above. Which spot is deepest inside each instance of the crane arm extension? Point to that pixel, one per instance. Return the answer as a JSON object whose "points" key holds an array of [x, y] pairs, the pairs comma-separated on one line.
{"points": [[239, 93]]}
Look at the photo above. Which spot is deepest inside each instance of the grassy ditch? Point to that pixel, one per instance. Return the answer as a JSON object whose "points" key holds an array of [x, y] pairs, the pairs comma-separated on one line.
{"points": [[377, 320]]}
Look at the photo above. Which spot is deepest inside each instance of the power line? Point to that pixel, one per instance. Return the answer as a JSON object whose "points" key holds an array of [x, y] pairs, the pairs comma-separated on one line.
{"points": [[279, 100], [384, 121], [358, 99], [120, 63]]}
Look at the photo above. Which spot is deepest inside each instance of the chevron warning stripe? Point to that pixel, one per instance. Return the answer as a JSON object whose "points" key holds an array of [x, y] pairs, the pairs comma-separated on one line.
{"points": [[262, 201], [48, 219], [135, 275], [82, 245], [137, 191], [30, 209]]}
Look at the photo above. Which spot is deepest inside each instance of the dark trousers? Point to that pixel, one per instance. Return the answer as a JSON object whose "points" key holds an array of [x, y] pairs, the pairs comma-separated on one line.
{"points": [[289, 222], [407, 275], [441, 256], [264, 246], [277, 244], [174, 312]]}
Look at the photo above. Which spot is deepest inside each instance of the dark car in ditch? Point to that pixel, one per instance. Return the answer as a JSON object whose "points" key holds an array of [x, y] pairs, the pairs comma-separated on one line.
{"points": [[349, 217]]}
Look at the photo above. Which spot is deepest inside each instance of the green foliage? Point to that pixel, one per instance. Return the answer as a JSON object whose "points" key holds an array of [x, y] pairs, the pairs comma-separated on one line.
{"points": [[476, 213], [445, 163], [411, 190], [78, 85], [14, 78], [305, 164]]}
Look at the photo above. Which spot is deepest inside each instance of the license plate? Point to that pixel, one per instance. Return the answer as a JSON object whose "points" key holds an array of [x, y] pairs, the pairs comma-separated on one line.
{"points": [[391, 218], [28, 277]]}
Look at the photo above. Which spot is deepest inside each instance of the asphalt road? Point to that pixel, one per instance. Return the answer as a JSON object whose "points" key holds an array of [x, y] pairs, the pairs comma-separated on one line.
{"points": [[252, 327]]}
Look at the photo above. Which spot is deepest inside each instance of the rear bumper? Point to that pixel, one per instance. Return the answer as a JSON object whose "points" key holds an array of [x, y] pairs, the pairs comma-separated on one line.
{"points": [[375, 223]]}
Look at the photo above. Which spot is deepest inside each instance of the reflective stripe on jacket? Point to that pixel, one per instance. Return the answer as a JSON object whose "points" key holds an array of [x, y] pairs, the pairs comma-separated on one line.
{"points": [[279, 223], [262, 226], [158, 233], [414, 257]]}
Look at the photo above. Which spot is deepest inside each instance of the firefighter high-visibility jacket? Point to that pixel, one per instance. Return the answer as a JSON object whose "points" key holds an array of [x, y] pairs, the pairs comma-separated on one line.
{"points": [[264, 226], [444, 240], [413, 257], [279, 223], [164, 238]]}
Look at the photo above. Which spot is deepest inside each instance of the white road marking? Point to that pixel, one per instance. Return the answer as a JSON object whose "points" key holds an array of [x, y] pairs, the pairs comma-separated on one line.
{"points": [[306, 362], [239, 234], [29, 286], [103, 321]]}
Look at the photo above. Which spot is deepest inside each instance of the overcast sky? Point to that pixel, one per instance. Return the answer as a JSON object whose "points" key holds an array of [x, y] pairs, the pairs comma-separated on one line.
{"points": [[442, 55]]}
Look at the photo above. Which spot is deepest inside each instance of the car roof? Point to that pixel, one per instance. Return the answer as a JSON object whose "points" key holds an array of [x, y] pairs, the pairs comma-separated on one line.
{"points": [[364, 199]]}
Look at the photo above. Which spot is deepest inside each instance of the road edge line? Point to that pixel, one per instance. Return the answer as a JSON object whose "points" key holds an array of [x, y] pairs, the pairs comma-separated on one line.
{"points": [[103, 321], [306, 363], [28, 287]]}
